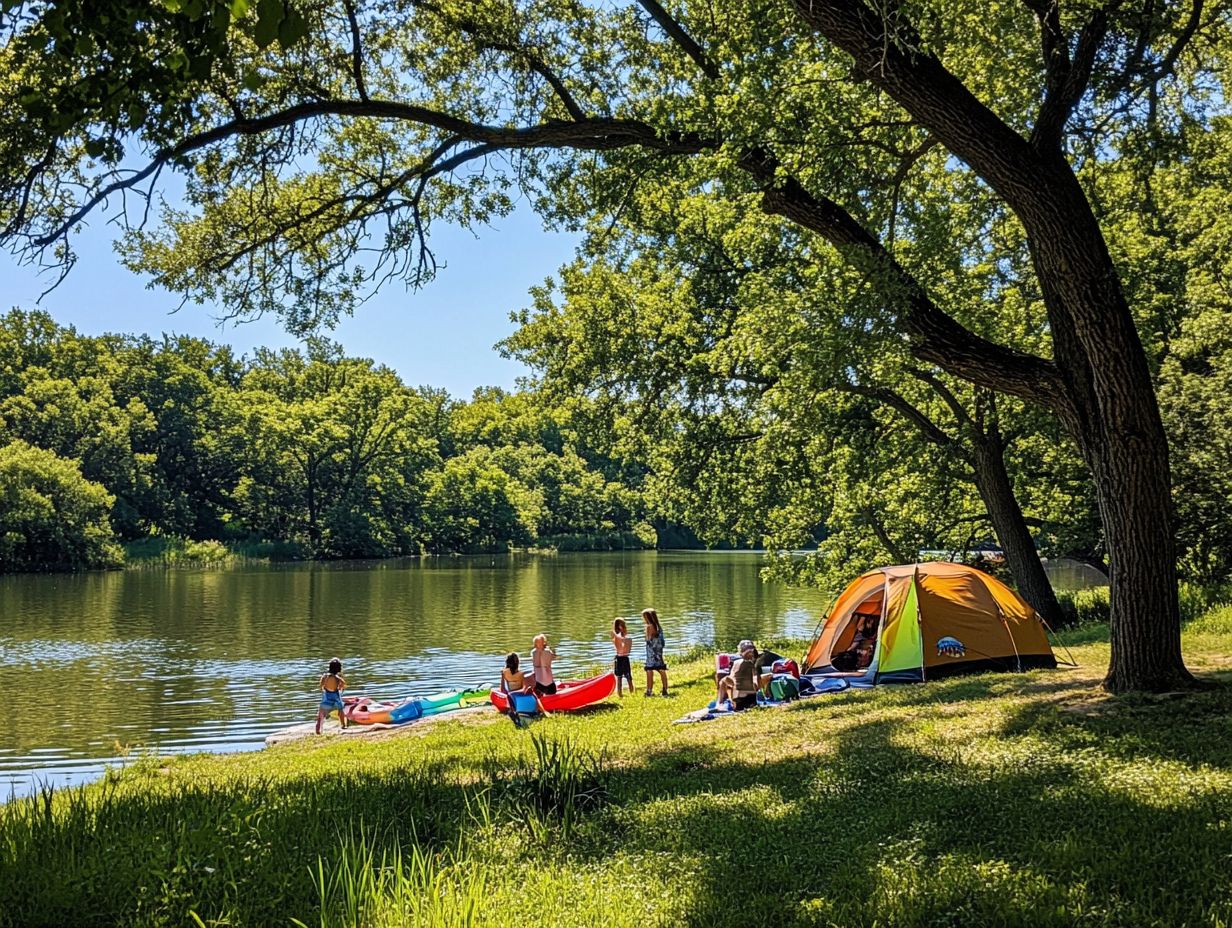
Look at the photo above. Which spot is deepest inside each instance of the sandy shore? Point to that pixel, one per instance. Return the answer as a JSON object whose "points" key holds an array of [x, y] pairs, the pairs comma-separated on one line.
{"points": [[331, 729]]}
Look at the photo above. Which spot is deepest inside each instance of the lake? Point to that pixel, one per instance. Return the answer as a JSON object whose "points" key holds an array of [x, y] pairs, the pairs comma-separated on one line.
{"points": [[98, 667]]}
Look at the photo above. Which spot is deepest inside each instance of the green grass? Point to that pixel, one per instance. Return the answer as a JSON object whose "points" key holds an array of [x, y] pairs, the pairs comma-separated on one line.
{"points": [[1030, 799]]}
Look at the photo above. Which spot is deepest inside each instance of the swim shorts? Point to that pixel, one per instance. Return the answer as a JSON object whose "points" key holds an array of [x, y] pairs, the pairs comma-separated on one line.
{"points": [[622, 668]]}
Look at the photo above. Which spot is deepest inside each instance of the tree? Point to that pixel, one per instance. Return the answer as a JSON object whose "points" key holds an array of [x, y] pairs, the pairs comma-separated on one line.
{"points": [[195, 443], [474, 506], [1196, 372], [697, 317], [51, 517], [66, 404], [338, 453], [821, 110]]}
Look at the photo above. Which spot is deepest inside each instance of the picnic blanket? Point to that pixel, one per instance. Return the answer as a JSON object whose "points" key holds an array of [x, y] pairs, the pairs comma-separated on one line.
{"points": [[817, 687]]}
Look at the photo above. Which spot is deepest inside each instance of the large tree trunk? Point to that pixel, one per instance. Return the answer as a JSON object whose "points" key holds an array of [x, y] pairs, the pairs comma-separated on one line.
{"points": [[993, 482], [1131, 480], [1114, 416], [1107, 400]]}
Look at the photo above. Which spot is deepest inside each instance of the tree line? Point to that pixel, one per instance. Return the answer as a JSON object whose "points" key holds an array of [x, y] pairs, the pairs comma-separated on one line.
{"points": [[975, 204], [110, 439]]}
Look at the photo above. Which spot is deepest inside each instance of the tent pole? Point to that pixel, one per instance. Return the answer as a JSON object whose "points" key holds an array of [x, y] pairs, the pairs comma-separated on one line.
{"points": [[1052, 637], [825, 614]]}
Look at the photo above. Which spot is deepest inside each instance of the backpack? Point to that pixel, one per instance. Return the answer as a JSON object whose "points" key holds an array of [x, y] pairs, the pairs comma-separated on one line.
{"points": [[786, 666], [783, 687]]}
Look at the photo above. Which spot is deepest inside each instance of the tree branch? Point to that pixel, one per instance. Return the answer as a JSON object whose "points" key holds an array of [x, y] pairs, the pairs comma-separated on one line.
{"points": [[589, 135], [937, 337], [947, 396], [1067, 85], [912, 413], [357, 50], [681, 37], [533, 61], [879, 530], [890, 54]]}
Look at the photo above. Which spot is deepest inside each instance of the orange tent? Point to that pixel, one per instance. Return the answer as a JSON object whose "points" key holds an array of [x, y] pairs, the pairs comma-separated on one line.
{"points": [[921, 621]]}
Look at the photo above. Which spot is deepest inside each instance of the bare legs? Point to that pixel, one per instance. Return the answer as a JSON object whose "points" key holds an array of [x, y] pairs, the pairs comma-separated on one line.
{"points": [[323, 714], [650, 681]]}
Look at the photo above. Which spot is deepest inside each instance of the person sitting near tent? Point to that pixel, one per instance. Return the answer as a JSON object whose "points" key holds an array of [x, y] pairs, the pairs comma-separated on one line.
{"points": [[742, 683], [763, 664]]}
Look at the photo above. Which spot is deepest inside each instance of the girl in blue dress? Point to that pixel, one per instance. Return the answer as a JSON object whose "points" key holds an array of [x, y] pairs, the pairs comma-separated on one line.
{"points": [[654, 651]]}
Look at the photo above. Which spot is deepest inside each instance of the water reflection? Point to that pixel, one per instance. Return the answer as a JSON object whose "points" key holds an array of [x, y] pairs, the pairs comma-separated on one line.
{"points": [[179, 660]]}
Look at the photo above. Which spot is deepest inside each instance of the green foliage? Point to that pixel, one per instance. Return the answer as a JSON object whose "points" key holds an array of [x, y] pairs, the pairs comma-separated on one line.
{"points": [[209, 458], [364, 883], [475, 506], [558, 783], [51, 517], [1092, 607]]}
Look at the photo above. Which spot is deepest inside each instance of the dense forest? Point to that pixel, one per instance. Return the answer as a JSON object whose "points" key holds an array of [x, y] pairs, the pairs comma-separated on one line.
{"points": [[962, 263], [122, 447], [296, 453]]}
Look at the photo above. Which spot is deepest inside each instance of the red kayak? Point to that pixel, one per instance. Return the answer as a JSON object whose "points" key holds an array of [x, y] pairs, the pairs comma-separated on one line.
{"points": [[568, 696]]}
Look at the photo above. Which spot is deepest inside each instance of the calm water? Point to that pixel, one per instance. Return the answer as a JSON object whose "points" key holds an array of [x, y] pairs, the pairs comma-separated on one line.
{"points": [[100, 666]]}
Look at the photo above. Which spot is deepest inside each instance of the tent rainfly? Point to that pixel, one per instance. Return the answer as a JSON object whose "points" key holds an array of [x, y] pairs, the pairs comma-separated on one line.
{"points": [[922, 621]]}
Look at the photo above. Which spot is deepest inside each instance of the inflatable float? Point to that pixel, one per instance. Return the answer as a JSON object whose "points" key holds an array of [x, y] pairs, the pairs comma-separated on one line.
{"points": [[576, 694], [365, 711]]}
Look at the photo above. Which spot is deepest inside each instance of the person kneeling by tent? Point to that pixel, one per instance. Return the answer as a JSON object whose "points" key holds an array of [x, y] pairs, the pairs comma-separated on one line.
{"points": [[742, 682], [763, 665]]}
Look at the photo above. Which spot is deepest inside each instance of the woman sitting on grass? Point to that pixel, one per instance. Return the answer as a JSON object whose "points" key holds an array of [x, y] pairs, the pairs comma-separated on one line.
{"points": [[741, 683], [514, 681], [763, 664]]}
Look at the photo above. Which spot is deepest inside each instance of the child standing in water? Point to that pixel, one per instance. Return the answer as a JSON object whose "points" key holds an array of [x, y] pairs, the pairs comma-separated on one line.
{"points": [[654, 651], [623, 644], [332, 686]]}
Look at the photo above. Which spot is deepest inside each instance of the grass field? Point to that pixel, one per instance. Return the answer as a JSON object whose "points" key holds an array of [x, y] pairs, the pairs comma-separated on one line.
{"points": [[1029, 799]]}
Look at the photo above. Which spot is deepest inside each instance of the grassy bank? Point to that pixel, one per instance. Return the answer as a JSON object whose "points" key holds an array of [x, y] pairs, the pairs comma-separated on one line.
{"points": [[1028, 799], [175, 551]]}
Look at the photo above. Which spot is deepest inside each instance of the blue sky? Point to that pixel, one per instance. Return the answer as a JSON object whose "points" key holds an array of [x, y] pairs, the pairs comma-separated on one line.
{"points": [[441, 335]]}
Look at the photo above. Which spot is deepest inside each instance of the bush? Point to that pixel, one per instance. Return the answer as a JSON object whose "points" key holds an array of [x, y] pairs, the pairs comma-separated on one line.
{"points": [[596, 541], [51, 517], [1087, 607], [561, 782]]}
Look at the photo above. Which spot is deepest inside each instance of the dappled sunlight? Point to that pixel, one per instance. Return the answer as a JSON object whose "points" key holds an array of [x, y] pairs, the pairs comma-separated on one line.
{"points": [[977, 800]]}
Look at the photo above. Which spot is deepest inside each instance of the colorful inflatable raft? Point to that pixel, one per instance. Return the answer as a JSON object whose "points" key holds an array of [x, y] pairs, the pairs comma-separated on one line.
{"points": [[575, 694], [365, 711]]}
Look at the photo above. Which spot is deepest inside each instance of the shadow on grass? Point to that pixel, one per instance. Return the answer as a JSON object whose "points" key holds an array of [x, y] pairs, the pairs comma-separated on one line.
{"points": [[883, 833], [1193, 728]]}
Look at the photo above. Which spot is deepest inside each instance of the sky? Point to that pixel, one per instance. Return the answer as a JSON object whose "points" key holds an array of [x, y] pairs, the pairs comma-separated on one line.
{"points": [[441, 335]]}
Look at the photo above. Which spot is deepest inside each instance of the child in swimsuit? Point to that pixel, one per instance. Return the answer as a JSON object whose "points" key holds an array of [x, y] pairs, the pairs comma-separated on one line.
{"points": [[623, 644], [332, 686]]}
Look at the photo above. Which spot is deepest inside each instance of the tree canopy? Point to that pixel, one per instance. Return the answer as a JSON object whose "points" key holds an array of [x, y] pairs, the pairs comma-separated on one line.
{"points": [[127, 437], [907, 144]]}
